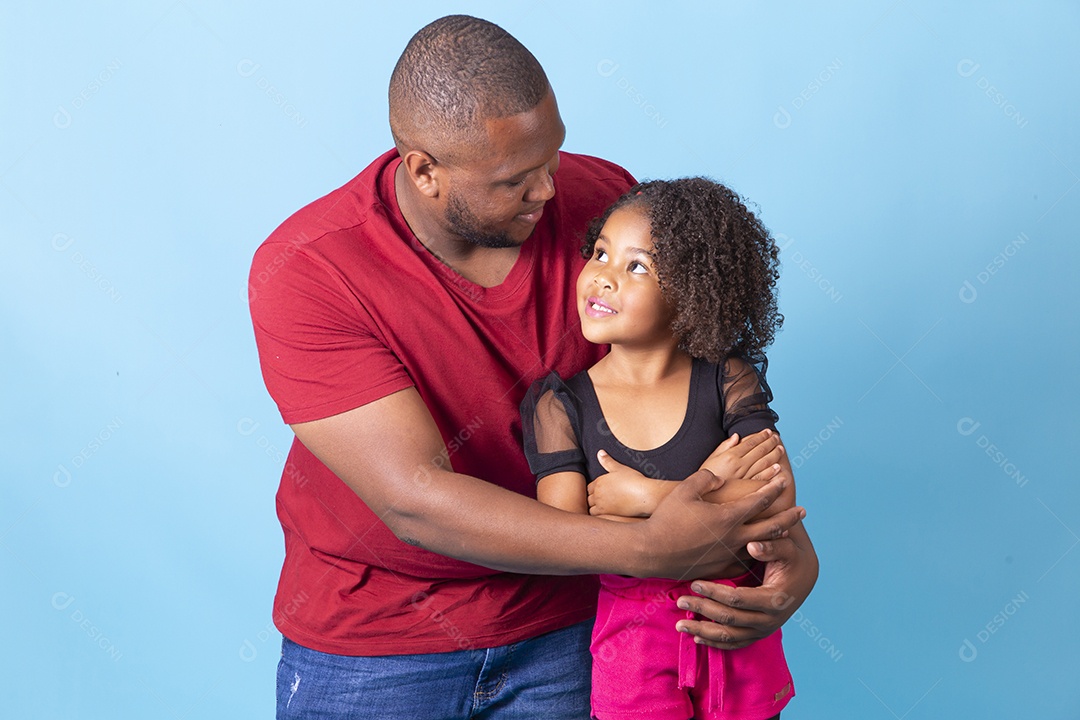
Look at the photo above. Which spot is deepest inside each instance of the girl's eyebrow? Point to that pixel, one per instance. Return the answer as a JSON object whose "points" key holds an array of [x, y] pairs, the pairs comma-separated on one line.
{"points": [[640, 251]]}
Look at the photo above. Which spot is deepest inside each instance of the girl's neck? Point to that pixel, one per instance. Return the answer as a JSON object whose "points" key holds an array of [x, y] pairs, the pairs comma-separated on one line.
{"points": [[640, 366]]}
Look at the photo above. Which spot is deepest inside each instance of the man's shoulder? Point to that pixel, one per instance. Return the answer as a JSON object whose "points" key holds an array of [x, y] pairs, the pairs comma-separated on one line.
{"points": [[587, 167], [343, 210], [586, 185]]}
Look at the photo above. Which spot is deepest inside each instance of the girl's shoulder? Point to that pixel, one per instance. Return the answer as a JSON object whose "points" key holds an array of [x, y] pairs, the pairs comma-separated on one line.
{"points": [[745, 394], [740, 367], [552, 395], [551, 426]]}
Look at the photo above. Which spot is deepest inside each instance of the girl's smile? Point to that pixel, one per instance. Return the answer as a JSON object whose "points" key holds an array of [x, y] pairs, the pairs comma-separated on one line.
{"points": [[595, 308]]}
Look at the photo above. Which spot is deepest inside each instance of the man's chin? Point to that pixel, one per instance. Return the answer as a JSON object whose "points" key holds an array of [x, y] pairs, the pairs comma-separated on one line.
{"points": [[498, 240]]}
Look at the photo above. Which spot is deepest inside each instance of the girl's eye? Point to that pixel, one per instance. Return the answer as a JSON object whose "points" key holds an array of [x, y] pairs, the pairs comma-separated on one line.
{"points": [[638, 269], [600, 256]]}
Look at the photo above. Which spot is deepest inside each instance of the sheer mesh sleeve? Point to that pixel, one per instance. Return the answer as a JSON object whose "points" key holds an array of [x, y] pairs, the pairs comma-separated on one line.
{"points": [[549, 417], [746, 395]]}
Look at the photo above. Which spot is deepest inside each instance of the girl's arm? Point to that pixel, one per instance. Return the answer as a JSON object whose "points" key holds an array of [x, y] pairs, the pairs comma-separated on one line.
{"points": [[549, 433], [743, 466], [566, 491], [563, 490]]}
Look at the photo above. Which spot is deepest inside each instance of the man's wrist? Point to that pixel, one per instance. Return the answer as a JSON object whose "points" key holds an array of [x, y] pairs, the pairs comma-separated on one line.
{"points": [[639, 552]]}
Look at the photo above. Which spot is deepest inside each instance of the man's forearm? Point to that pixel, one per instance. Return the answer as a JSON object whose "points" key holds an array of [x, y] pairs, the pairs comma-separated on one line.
{"points": [[518, 534], [512, 533]]}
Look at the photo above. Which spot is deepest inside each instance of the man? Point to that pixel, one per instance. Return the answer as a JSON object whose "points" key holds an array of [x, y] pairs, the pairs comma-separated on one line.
{"points": [[399, 321]]}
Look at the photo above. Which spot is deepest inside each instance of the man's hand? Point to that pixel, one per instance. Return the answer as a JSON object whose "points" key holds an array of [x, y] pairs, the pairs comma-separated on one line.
{"points": [[744, 615], [700, 538]]}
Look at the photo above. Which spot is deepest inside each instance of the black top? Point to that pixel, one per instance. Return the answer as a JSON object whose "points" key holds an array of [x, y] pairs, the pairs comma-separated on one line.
{"points": [[564, 427]]}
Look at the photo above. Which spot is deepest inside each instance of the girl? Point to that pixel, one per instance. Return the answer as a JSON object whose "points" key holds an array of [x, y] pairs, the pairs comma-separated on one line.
{"points": [[680, 282]]}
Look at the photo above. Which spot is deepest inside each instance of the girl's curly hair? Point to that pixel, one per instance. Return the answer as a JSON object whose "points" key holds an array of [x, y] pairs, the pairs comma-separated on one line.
{"points": [[715, 262]]}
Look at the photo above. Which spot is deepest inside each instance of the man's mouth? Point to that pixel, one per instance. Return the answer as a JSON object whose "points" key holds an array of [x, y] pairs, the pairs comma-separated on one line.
{"points": [[533, 216]]}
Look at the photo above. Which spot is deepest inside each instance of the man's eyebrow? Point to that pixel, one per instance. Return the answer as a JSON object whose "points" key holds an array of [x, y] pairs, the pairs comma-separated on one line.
{"points": [[520, 174]]}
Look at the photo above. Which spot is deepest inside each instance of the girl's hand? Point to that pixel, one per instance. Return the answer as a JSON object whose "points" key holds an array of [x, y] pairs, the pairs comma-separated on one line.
{"points": [[625, 491], [738, 460], [745, 466]]}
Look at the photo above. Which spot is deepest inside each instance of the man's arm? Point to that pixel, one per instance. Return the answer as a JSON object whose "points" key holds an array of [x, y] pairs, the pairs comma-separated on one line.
{"points": [[386, 451]]}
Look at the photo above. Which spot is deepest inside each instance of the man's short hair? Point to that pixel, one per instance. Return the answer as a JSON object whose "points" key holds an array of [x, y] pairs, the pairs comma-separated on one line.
{"points": [[455, 73]]}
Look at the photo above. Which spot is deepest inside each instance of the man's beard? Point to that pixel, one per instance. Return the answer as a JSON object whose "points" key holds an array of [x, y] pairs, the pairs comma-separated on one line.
{"points": [[466, 225]]}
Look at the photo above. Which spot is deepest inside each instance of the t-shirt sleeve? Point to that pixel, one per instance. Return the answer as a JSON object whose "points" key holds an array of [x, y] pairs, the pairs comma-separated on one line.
{"points": [[746, 395], [548, 418], [319, 349]]}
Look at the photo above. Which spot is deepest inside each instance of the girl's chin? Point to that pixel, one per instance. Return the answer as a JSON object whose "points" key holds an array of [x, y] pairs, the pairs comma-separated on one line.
{"points": [[597, 338]]}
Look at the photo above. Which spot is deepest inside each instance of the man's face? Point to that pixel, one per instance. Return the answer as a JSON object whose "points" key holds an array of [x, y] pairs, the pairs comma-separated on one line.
{"points": [[495, 196]]}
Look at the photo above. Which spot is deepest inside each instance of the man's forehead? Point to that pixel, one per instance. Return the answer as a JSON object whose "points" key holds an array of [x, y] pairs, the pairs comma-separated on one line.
{"points": [[518, 143]]}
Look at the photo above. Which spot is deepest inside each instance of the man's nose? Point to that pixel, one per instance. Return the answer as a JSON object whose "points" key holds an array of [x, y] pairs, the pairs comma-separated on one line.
{"points": [[543, 189]]}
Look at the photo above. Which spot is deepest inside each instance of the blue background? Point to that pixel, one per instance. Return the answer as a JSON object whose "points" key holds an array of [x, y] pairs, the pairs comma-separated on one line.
{"points": [[918, 163]]}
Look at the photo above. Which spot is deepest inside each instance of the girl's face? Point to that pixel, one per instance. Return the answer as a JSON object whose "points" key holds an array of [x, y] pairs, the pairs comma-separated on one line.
{"points": [[619, 298]]}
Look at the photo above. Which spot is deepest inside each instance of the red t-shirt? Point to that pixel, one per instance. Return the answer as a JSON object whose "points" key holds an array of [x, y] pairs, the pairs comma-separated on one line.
{"points": [[349, 307]]}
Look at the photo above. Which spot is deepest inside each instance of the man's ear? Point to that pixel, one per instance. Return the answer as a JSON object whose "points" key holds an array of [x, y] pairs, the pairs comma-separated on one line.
{"points": [[424, 172]]}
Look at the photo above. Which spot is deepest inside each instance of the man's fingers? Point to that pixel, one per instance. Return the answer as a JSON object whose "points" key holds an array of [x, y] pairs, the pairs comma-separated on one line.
{"points": [[763, 550], [784, 549], [735, 617], [757, 502], [722, 637], [772, 550], [712, 600], [755, 608], [774, 527]]}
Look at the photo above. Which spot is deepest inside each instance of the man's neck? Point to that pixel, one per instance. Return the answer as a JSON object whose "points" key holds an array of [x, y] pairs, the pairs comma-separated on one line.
{"points": [[483, 266]]}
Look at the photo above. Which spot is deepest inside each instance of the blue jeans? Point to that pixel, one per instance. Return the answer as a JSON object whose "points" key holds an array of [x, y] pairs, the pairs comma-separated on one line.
{"points": [[545, 677]]}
